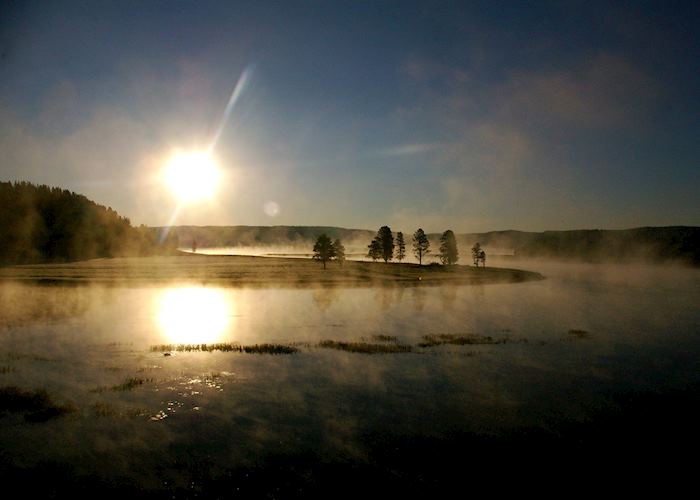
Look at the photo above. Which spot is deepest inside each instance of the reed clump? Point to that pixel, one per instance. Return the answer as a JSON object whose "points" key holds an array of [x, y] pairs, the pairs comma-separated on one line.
{"points": [[454, 339], [227, 347], [365, 347]]}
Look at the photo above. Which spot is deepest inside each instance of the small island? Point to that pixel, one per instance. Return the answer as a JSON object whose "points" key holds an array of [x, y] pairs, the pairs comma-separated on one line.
{"points": [[260, 271]]}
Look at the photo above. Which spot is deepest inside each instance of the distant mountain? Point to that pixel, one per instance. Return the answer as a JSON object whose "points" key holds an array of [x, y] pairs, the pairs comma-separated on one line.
{"points": [[49, 224], [660, 244]]}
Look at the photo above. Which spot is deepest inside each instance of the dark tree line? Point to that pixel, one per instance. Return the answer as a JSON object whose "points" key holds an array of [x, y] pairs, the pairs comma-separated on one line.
{"points": [[45, 224], [383, 245]]}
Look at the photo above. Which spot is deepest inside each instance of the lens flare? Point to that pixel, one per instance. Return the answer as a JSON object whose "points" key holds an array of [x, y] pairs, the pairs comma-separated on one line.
{"points": [[271, 208]]}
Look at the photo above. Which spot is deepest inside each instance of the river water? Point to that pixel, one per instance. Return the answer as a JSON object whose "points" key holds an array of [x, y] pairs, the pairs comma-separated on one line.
{"points": [[561, 355]]}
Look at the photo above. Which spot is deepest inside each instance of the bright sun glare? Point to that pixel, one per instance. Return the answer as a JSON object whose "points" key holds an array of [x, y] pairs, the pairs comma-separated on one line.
{"points": [[192, 176], [194, 315]]}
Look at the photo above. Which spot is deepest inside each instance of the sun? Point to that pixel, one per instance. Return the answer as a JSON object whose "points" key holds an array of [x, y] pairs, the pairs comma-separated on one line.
{"points": [[192, 176]]}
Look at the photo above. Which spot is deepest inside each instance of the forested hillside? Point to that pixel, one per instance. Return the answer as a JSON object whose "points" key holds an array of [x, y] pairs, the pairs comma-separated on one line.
{"points": [[49, 224]]}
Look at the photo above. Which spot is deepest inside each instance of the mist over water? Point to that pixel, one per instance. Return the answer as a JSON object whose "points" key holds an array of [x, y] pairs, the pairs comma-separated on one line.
{"points": [[569, 343]]}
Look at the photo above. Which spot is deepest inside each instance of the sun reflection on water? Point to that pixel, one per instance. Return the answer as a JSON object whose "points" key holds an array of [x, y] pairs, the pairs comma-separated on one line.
{"points": [[194, 315]]}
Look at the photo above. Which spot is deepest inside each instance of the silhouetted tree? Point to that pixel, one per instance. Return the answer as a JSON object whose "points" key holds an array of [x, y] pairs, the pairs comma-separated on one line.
{"points": [[386, 241], [323, 249], [482, 258], [194, 245], [448, 248], [400, 247], [339, 251], [375, 250], [421, 245], [476, 253]]}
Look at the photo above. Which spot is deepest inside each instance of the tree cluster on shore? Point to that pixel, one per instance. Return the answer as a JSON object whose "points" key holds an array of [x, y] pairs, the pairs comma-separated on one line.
{"points": [[45, 224], [384, 246]]}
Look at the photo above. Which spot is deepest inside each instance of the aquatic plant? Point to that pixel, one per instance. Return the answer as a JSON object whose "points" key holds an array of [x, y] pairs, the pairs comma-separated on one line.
{"points": [[128, 385], [224, 347], [453, 339], [385, 338], [365, 347], [227, 347], [37, 406], [270, 349]]}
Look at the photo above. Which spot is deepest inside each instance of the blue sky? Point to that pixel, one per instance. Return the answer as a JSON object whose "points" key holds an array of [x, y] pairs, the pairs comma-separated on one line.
{"points": [[473, 116]]}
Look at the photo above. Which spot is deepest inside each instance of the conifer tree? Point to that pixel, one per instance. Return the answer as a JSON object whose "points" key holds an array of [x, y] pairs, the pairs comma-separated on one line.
{"points": [[421, 245], [386, 242], [448, 248], [339, 251], [375, 250], [400, 247], [323, 249]]}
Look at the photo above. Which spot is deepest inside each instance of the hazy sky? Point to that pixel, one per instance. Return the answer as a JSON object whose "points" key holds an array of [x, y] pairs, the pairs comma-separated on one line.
{"points": [[465, 115]]}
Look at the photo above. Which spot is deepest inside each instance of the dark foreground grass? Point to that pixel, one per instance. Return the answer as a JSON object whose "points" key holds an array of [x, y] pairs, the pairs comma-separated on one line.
{"points": [[35, 406], [227, 347], [365, 347]]}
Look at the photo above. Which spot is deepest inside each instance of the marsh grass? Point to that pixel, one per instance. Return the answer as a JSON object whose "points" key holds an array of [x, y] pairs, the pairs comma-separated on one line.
{"points": [[227, 347], [6, 369], [453, 339], [35, 406], [129, 384], [270, 349], [385, 338], [365, 347]]}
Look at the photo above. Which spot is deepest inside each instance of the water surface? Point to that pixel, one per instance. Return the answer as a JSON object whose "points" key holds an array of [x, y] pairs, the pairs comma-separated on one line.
{"points": [[567, 348]]}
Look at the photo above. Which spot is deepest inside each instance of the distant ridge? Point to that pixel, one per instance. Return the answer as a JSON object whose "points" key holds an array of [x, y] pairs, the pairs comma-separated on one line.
{"points": [[245, 236], [658, 244]]}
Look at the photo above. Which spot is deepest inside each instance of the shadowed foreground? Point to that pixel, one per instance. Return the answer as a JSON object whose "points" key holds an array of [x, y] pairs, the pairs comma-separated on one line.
{"points": [[260, 271], [642, 432]]}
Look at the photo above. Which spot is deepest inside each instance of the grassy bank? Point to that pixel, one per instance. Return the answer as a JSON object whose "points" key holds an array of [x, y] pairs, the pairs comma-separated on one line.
{"points": [[260, 271]]}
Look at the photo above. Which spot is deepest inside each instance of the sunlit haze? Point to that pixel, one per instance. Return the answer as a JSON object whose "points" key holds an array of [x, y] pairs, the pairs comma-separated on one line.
{"points": [[193, 315], [192, 176], [473, 116]]}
